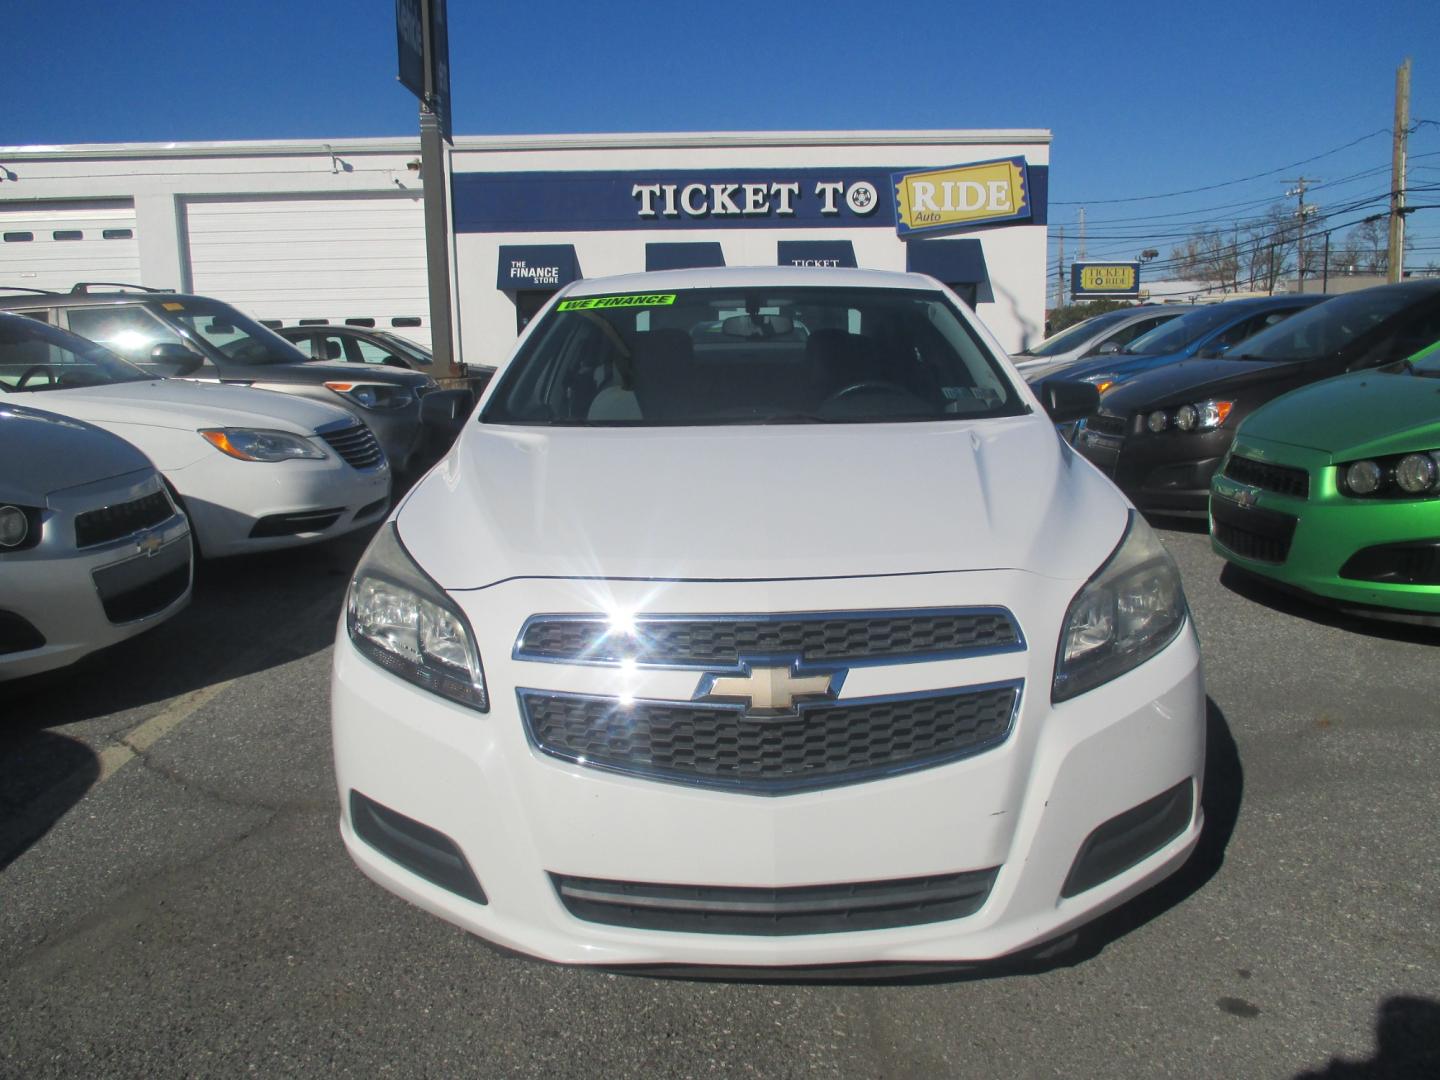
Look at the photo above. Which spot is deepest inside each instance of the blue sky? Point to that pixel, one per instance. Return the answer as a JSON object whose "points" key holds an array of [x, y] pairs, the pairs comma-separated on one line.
{"points": [[1143, 99]]}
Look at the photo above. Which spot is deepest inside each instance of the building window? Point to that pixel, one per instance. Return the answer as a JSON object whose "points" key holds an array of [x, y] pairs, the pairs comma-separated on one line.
{"points": [[118, 234], [68, 234], [18, 237]]}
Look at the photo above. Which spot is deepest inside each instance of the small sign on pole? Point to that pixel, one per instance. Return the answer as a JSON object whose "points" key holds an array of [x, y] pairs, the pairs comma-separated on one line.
{"points": [[1113, 280]]}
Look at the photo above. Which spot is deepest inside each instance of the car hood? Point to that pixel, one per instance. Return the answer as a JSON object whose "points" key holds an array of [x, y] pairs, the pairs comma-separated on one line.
{"points": [[1368, 412], [1174, 384], [45, 453], [760, 503], [315, 372], [186, 406]]}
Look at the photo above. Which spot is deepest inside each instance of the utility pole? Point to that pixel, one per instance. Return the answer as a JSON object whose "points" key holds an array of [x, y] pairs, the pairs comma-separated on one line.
{"points": [[1397, 172], [1082, 234], [1301, 183], [1060, 272]]}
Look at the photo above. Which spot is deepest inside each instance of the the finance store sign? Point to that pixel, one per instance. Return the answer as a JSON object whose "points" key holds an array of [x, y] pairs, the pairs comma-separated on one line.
{"points": [[912, 202], [1116, 280]]}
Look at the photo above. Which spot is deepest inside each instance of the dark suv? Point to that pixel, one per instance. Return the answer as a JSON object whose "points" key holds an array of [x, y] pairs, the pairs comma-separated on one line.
{"points": [[192, 337]]}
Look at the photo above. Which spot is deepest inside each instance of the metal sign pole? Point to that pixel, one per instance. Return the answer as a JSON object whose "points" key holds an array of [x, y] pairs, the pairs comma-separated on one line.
{"points": [[437, 243]]}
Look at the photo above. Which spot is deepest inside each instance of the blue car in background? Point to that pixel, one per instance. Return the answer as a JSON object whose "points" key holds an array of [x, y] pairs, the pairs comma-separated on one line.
{"points": [[1204, 332]]}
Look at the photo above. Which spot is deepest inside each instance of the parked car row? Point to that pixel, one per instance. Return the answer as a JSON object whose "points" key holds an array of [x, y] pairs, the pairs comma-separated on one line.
{"points": [[1332, 486], [130, 468]]}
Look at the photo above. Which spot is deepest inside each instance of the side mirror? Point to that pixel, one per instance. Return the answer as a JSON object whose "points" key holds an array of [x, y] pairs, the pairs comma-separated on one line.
{"points": [[446, 410], [332, 350], [1068, 401], [175, 359], [1106, 348], [1213, 352]]}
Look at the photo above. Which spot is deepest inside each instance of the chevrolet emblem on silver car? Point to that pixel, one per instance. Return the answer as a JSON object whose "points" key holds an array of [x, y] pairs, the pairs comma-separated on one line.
{"points": [[932, 695]]}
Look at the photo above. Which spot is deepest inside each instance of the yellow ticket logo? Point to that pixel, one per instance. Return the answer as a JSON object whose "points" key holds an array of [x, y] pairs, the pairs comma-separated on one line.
{"points": [[588, 303], [941, 198]]}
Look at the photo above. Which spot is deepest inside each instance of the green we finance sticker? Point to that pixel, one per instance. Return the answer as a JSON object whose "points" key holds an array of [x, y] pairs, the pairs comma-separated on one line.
{"points": [[640, 300]]}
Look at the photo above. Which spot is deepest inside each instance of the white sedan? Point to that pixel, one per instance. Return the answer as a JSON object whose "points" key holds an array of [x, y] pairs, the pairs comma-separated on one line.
{"points": [[92, 550], [252, 469], [760, 618]]}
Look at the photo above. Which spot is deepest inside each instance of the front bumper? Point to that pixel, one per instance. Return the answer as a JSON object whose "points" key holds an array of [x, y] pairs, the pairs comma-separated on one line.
{"points": [[522, 821], [1164, 473], [79, 600], [1329, 531], [237, 507]]}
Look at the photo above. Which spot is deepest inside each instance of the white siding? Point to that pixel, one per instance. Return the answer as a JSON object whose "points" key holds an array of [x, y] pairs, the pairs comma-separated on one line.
{"points": [[316, 257], [47, 263]]}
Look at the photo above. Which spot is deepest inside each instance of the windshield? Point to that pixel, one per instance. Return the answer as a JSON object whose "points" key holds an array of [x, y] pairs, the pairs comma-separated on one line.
{"points": [[34, 357], [1181, 333], [236, 336], [1072, 337], [1324, 329], [752, 356], [1427, 361], [406, 348]]}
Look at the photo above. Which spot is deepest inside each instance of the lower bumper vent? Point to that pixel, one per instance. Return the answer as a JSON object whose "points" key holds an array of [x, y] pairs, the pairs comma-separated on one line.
{"points": [[1128, 838], [805, 909], [423, 851]]}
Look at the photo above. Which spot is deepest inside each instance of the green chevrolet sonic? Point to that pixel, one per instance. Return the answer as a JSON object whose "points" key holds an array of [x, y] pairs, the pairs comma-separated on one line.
{"points": [[1333, 491]]}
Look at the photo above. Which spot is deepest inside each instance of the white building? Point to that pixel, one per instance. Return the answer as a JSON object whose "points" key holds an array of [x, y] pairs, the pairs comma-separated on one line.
{"points": [[334, 231]]}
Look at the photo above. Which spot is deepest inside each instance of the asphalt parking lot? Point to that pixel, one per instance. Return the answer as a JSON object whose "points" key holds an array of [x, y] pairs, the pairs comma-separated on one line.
{"points": [[174, 898]]}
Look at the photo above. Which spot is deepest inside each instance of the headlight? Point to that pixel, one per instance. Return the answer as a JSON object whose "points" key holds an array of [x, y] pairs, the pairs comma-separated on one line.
{"points": [[258, 444], [14, 526], [1416, 473], [1131, 609], [1201, 416], [1396, 477], [378, 396], [1158, 421], [401, 620]]}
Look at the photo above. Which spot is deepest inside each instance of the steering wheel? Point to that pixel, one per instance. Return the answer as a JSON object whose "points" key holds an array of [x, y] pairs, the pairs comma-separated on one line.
{"points": [[868, 386], [35, 369]]}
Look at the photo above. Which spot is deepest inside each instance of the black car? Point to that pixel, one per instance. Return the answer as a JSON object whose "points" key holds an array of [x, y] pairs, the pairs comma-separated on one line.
{"points": [[366, 345], [177, 335], [1162, 435]]}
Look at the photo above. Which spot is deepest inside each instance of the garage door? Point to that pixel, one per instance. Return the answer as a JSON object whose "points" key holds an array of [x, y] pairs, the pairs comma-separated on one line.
{"points": [[52, 245], [294, 258]]}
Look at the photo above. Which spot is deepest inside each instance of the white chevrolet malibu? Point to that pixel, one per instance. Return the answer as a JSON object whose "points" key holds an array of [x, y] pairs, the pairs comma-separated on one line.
{"points": [[759, 617], [252, 469]]}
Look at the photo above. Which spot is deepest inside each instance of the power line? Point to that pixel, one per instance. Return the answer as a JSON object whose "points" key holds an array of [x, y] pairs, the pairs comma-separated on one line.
{"points": [[1226, 183]]}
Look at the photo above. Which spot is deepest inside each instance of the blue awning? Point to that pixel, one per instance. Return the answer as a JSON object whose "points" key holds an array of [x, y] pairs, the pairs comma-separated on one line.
{"points": [[951, 262], [815, 253], [537, 266], [683, 256]]}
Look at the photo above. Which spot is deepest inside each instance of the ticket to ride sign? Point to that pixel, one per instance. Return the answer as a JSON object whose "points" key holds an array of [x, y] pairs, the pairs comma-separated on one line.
{"points": [[944, 200], [1112, 279]]}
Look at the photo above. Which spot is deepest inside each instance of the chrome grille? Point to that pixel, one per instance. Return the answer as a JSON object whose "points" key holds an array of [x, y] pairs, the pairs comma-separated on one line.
{"points": [[356, 444], [123, 519], [723, 640], [819, 745]]}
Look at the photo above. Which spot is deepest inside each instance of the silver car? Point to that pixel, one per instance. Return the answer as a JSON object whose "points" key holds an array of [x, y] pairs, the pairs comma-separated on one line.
{"points": [[92, 550], [1098, 336]]}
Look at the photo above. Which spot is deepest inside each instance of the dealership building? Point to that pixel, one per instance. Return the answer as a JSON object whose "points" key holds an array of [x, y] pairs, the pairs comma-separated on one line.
{"points": [[299, 230]]}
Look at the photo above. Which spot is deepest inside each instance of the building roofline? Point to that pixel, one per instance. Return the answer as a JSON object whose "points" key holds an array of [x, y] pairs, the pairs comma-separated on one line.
{"points": [[499, 143]]}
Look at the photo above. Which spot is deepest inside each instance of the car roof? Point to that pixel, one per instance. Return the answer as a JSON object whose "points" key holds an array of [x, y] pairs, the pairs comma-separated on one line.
{"points": [[90, 299], [722, 277]]}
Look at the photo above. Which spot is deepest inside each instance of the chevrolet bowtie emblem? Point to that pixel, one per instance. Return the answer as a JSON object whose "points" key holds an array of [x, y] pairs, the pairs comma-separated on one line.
{"points": [[149, 545], [769, 689]]}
